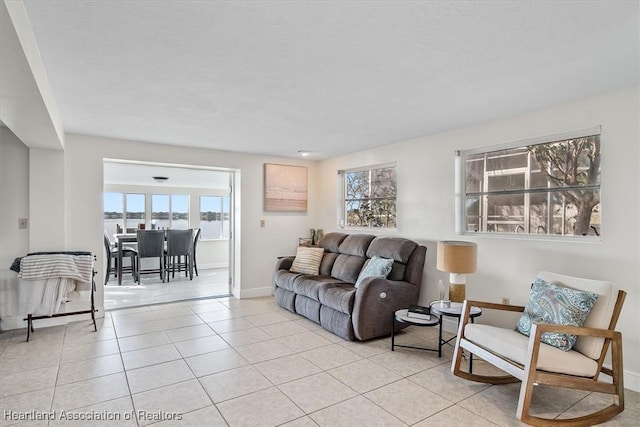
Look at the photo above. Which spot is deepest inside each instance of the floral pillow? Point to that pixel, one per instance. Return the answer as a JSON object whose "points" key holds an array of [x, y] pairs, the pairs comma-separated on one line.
{"points": [[377, 267], [559, 305]]}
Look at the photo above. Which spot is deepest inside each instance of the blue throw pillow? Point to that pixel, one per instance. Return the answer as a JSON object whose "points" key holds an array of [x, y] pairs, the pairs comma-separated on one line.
{"points": [[549, 303], [377, 267]]}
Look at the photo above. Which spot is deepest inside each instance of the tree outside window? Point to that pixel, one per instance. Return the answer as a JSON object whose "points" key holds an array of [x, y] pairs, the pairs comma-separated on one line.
{"points": [[548, 188], [370, 197]]}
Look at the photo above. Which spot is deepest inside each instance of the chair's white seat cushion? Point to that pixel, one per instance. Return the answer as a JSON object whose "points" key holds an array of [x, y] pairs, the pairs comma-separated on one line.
{"points": [[512, 345]]}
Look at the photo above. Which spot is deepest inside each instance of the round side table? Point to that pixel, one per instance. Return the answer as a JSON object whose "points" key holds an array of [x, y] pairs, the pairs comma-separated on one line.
{"points": [[400, 316], [454, 310]]}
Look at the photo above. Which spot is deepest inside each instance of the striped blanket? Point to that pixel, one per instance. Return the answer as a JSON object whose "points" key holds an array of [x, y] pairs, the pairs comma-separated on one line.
{"points": [[53, 266], [62, 272]]}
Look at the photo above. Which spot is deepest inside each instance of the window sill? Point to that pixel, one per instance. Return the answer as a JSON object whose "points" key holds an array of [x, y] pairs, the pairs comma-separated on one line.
{"points": [[537, 237], [370, 229]]}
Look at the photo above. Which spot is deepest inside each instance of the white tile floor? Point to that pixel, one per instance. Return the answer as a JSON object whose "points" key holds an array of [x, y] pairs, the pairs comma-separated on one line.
{"points": [[248, 363], [213, 282]]}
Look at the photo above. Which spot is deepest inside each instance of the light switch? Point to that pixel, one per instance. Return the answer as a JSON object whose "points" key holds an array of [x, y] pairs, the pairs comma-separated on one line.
{"points": [[262, 223], [22, 223]]}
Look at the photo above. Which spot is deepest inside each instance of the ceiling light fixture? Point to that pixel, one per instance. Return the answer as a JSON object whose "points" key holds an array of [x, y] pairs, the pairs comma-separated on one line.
{"points": [[304, 153], [160, 178]]}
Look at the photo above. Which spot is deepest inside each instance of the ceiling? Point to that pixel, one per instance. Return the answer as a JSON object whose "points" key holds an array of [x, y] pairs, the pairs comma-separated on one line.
{"points": [[137, 174], [332, 77]]}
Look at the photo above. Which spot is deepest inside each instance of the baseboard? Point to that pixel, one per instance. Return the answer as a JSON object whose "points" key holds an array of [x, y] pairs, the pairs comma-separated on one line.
{"points": [[256, 292], [631, 380]]}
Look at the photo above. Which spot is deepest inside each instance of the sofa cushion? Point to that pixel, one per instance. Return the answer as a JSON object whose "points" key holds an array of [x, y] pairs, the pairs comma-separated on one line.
{"points": [[338, 297], [285, 279], [513, 345], [397, 271], [337, 322], [557, 305], [310, 286], [375, 267], [308, 308], [327, 263], [395, 248], [285, 298], [307, 260], [347, 267], [331, 241], [356, 244]]}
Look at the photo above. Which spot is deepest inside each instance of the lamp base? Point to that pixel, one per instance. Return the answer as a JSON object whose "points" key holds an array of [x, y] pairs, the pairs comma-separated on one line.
{"points": [[456, 292]]}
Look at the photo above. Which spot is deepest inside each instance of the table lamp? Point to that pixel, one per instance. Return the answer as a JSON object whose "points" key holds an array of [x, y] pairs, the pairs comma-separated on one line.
{"points": [[457, 258]]}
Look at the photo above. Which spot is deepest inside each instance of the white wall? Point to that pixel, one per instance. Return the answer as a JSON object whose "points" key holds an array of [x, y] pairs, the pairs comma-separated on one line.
{"points": [[46, 190], [14, 197], [507, 266], [259, 246], [14, 204]]}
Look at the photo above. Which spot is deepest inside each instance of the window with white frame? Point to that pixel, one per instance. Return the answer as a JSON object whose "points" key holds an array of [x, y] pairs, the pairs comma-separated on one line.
{"points": [[124, 211], [544, 186], [170, 211], [369, 197], [214, 217]]}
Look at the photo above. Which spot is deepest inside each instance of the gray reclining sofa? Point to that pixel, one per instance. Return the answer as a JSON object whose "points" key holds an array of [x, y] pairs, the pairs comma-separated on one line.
{"points": [[330, 298]]}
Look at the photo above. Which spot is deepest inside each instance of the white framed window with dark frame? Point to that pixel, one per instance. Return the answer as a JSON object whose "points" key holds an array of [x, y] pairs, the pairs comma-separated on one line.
{"points": [[548, 186], [369, 197]]}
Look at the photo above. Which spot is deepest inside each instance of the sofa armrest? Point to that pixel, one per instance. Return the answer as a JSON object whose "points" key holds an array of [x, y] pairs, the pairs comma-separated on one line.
{"points": [[375, 302], [284, 262]]}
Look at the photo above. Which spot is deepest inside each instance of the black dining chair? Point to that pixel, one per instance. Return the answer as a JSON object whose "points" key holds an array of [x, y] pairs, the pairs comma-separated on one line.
{"points": [[150, 245], [196, 238], [179, 245], [112, 254]]}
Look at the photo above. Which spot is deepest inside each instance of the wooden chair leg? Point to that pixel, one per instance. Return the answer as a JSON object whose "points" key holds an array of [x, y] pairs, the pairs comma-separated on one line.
{"points": [[457, 360]]}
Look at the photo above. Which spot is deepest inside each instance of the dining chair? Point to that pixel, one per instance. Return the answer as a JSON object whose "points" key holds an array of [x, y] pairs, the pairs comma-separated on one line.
{"points": [[179, 245], [112, 254], [196, 238], [150, 245]]}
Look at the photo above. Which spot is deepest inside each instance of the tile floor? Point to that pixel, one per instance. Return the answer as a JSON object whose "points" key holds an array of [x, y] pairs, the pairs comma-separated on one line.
{"points": [[212, 282], [247, 363]]}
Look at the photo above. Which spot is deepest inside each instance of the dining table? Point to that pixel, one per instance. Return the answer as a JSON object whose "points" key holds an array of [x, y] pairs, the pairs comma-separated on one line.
{"points": [[121, 239]]}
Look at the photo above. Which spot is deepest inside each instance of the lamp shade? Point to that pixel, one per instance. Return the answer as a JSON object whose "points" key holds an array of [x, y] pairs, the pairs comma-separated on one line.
{"points": [[457, 256]]}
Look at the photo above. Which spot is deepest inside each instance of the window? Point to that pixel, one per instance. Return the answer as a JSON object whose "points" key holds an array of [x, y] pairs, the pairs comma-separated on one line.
{"points": [[170, 211], [135, 211], [370, 197], [179, 212], [547, 186], [121, 206], [214, 217]]}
